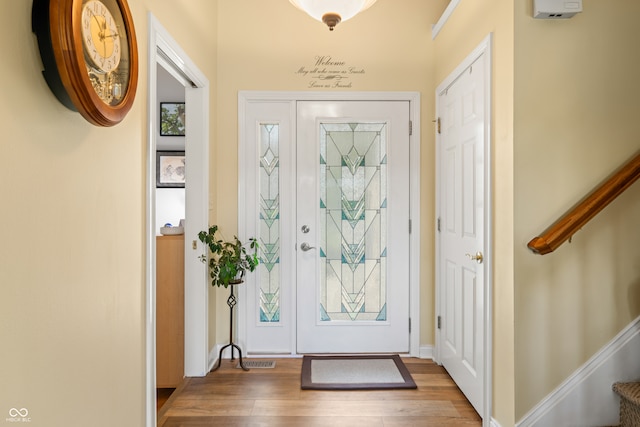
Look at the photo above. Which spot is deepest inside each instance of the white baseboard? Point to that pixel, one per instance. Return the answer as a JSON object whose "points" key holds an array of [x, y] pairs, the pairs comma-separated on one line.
{"points": [[226, 354], [426, 352], [586, 397], [494, 423], [213, 356], [215, 351]]}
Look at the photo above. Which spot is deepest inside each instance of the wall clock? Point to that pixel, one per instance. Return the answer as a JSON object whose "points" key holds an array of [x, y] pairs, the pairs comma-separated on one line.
{"points": [[90, 56]]}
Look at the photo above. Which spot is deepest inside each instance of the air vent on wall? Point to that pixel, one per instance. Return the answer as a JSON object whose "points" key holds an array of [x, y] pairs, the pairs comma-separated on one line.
{"points": [[556, 9]]}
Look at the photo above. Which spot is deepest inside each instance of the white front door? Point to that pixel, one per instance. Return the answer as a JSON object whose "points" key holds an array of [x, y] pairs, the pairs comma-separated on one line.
{"points": [[333, 175], [461, 224], [352, 228]]}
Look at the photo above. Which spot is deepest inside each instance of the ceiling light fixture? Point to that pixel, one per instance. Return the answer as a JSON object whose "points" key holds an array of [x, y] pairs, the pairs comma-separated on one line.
{"points": [[332, 12]]}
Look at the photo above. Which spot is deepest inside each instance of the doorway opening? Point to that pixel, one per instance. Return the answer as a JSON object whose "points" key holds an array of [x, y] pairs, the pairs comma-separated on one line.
{"points": [[167, 56], [365, 184]]}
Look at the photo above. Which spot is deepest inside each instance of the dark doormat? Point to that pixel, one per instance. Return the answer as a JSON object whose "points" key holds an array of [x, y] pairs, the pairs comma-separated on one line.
{"points": [[355, 373]]}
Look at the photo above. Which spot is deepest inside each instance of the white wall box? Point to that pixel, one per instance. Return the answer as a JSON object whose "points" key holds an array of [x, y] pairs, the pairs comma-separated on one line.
{"points": [[556, 9]]}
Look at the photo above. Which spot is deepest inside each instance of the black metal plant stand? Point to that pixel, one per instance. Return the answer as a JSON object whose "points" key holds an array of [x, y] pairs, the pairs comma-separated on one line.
{"points": [[231, 302]]}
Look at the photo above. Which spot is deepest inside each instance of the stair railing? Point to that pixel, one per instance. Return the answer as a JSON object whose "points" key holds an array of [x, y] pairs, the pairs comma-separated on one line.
{"points": [[564, 228]]}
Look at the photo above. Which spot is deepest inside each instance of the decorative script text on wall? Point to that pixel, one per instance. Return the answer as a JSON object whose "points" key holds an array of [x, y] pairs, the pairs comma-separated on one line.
{"points": [[329, 73]]}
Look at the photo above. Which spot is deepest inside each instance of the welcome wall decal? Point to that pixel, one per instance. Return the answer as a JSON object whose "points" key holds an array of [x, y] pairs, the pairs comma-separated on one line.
{"points": [[329, 73]]}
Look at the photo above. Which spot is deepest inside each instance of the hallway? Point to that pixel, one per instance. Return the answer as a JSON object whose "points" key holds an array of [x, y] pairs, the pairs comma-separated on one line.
{"points": [[231, 397]]}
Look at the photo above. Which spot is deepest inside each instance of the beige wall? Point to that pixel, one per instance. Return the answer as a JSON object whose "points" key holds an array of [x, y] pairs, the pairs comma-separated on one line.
{"points": [[576, 115], [262, 45], [72, 252], [469, 24]]}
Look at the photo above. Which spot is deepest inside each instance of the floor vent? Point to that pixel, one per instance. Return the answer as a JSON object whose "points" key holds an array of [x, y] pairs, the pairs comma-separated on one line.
{"points": [[258, 364]]}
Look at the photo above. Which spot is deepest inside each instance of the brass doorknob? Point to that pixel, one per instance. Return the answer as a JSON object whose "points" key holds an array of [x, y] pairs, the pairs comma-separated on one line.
{"points": [[478, 257]]}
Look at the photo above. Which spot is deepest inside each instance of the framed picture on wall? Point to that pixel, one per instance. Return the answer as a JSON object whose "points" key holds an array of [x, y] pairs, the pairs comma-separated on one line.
{"points": [[172, 119], [170, 169]]}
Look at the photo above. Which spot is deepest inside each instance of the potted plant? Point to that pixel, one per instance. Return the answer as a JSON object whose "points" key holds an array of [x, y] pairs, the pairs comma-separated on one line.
{"points": [[228, 260]]}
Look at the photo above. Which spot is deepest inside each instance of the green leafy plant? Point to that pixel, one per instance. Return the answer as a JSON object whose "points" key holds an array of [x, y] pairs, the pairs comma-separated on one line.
{"points": [[172, 119], [228, 260]]}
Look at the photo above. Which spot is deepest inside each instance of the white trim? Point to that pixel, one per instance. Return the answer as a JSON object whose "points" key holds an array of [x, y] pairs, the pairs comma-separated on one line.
{"points": [[196, 299], [215, 351], [213, 356], [414, 215], [226, 355], [426, 352], [245, 97], [586, 395], [494, 423], [292, 96], [484, 48], [150, 244], [435, 29], [487, 45]]}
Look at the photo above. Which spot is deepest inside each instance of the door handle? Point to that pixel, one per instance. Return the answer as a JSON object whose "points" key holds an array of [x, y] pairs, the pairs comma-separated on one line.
{"points": [[305, 247], [478, 257]]}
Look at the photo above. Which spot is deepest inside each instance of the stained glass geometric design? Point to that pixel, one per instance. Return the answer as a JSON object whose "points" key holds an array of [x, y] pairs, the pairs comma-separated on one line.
{"points": [[269, 225], [353, 218]]}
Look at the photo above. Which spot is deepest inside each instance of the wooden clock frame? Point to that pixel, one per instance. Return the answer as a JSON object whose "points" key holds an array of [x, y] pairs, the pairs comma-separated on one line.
{"points": [[57, 24]]}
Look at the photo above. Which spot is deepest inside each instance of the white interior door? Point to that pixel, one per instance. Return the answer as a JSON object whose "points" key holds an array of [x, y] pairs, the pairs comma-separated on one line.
{"points": [[462, 247], [352, 228]]}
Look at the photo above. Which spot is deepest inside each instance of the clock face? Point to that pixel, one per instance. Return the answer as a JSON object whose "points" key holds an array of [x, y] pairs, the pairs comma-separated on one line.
{"points": [[106, 53], [89, 54], [100, 36]]}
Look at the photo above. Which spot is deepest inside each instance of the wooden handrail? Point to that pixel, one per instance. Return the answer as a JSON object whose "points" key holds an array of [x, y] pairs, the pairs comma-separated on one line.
{"points": [[576, 218]]}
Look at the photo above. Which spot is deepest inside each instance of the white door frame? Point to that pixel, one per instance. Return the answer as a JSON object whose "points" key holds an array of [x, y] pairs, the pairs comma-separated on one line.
{"points": [[164, 51], [245, 97], [484, 48]]}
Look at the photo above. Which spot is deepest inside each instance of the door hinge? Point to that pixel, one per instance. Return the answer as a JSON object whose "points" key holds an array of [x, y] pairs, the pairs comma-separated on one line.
{"points": [[438, 224], [410, 225], [439, 322], [438, 125], [409, 324], [410, 127]]}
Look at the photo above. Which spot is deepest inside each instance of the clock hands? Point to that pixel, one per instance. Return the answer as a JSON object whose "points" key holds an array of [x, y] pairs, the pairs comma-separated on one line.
{"points": [[102, 36], [102, 26]]}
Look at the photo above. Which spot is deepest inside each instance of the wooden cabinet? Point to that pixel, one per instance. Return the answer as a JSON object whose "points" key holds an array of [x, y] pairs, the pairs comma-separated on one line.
{"points": [[169, 311]]}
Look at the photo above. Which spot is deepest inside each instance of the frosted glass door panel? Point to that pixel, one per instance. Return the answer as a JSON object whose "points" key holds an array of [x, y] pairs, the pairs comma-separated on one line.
{"points": [[269, 267], [353, 217]]}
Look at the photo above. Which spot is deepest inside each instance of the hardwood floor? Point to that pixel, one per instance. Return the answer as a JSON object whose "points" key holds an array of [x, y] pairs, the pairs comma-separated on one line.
{"points": [[162, 395], [231, 397]]}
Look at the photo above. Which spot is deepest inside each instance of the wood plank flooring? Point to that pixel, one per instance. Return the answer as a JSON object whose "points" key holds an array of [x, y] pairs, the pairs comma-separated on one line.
{"points": [[162, 395], [231, 397]]}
